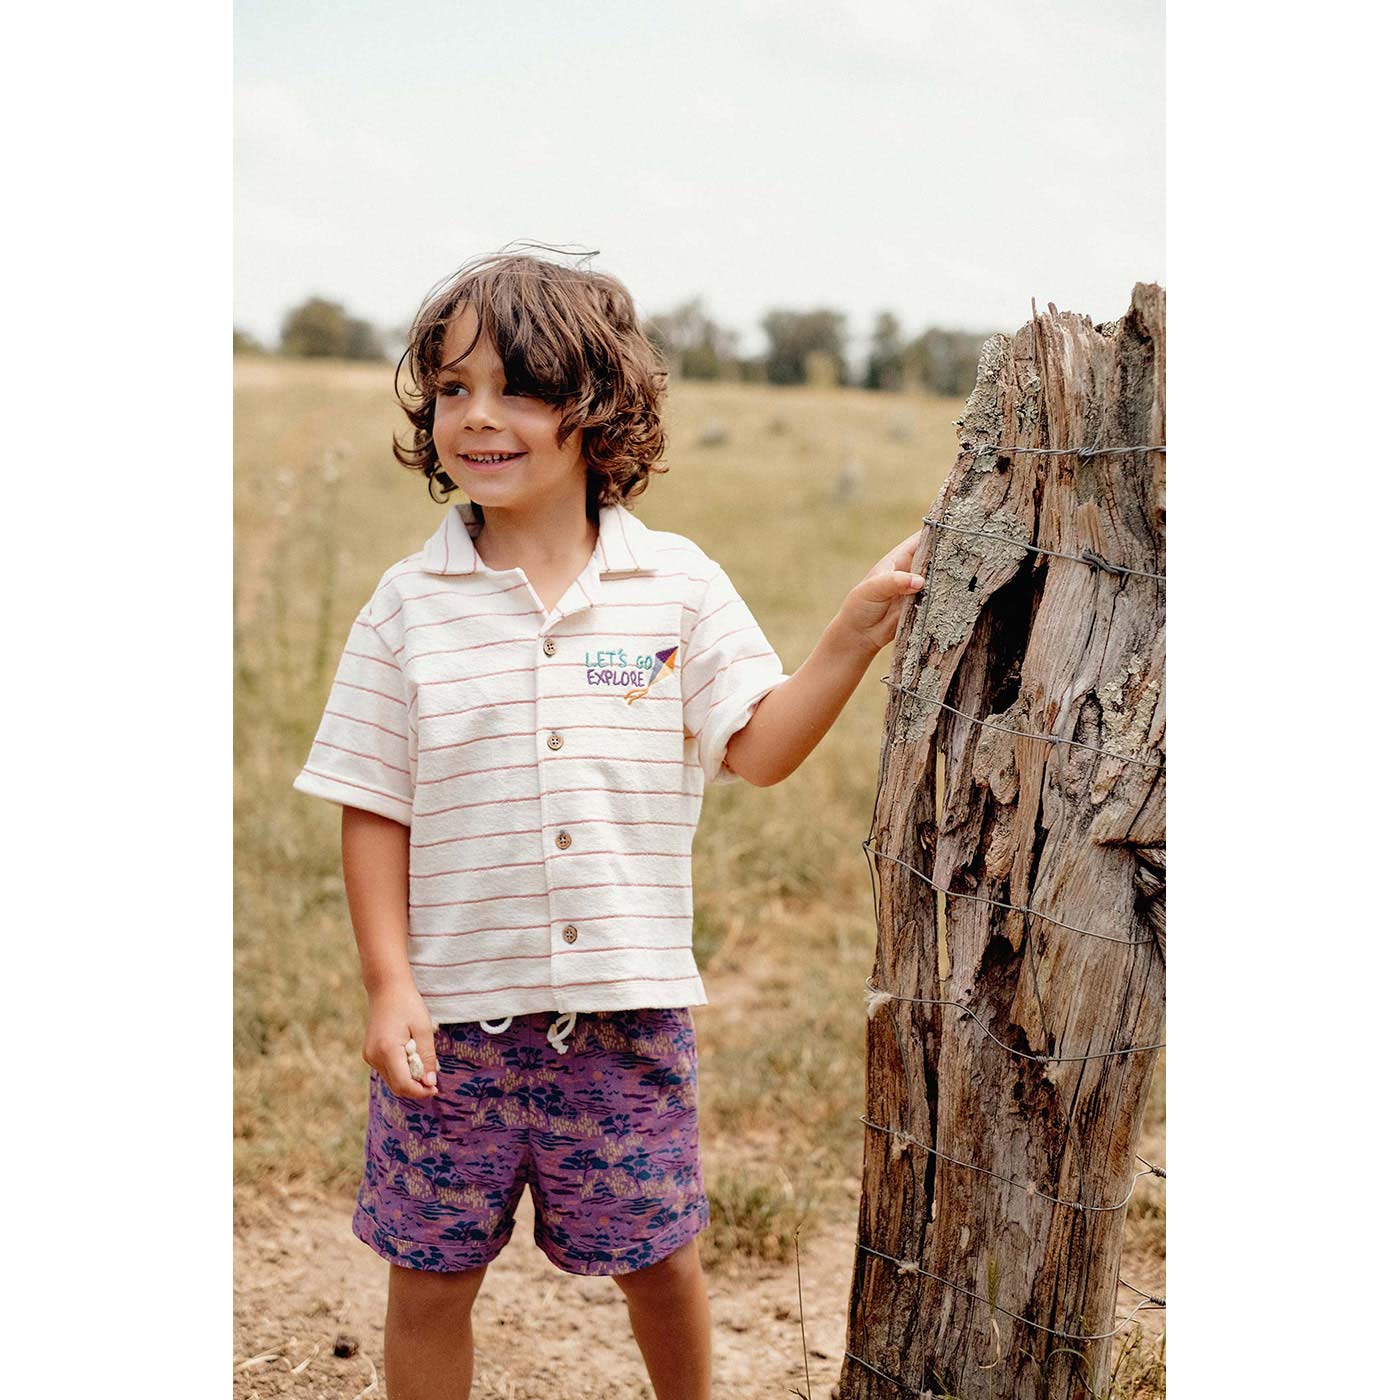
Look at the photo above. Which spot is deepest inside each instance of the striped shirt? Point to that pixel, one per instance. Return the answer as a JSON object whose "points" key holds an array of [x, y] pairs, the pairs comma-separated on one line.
{"points": [[549, 765]]}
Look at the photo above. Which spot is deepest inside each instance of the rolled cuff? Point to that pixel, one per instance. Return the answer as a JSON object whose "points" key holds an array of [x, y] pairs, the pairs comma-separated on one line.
{"points": [[725, 721], [352, 794]]}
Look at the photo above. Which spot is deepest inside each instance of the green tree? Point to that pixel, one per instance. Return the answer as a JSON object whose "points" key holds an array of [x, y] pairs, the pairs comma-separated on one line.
{"points": [[793, 335], [945, 362], [695, 346], [321, 329], [888, 366]]}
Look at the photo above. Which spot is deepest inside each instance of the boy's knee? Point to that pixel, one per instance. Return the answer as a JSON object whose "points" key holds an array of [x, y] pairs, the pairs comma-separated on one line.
{"points": [[427, 1293], [676, 1268]]}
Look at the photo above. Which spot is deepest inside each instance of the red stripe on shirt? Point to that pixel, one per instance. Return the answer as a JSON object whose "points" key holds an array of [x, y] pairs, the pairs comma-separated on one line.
{"points": [[355, 753], [544, 928], [536, 830], [362, 787], [535, 797], [562, 953], [561, 855], [554, 986]]}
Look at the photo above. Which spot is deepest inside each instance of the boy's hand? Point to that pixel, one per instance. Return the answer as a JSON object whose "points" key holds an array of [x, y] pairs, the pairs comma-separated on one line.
{"points": [[397, 1015], [870, 614]]}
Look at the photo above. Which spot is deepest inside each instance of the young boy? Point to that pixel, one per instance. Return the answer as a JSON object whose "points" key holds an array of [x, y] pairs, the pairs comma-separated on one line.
{"points": [[520, 731]]}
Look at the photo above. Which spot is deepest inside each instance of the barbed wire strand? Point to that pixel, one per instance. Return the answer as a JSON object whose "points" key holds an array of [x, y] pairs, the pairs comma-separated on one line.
{"points": [[1087, 556], [1090, 557], [1082, 452], [894, 1380], [1001, 904], [1150, 1296], [1023, 1054], [926, 1394], [908, 1266], [1019, 733], [907, 1140]]}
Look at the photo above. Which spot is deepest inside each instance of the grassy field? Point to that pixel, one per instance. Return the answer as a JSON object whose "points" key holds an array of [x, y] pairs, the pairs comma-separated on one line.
{"points": [[784, 922]]}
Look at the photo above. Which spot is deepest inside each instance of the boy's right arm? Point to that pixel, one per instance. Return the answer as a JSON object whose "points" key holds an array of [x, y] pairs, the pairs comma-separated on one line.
{"points": [[374, 852]]}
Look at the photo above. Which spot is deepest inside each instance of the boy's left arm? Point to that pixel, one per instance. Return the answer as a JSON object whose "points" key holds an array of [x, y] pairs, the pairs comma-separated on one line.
{"points": [[790, 720]]}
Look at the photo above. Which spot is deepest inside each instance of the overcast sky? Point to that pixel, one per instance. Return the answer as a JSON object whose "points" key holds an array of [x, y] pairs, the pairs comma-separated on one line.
{"points": [[947, 161]]}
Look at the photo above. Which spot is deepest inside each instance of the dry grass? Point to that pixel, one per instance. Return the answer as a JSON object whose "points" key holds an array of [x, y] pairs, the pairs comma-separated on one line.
{"points": [[782, 894]]}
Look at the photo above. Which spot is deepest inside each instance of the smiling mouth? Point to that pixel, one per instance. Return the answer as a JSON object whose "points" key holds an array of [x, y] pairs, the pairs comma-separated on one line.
{"points": [[488, 459]]}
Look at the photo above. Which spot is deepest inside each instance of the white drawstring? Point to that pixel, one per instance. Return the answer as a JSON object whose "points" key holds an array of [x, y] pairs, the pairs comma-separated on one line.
{"points": [[557, 1034]]}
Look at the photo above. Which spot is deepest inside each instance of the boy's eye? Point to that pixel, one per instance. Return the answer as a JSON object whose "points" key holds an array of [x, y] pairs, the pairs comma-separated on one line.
{"points": [[510, 391]]}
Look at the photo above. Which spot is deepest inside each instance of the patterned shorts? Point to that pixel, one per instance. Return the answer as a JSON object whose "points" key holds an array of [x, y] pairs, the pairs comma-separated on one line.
{"points": [[605, 1133]]}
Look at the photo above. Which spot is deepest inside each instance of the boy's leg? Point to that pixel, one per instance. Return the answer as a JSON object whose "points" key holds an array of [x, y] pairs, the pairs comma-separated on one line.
{"points": [[670, 1312], [428, 1333]]}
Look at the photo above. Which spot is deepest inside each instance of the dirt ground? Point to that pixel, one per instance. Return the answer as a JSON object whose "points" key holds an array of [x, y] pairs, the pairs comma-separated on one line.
{"points": [[303, 1280]]}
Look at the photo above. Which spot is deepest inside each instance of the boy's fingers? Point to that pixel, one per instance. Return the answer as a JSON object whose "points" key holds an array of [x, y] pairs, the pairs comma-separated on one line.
{"points": [[891, 585], [402, 1085], [393, 1066], [423, 1040]]}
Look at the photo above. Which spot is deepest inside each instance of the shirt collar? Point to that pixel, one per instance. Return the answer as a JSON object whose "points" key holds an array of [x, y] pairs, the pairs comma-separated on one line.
{"points": [[625, 544]]}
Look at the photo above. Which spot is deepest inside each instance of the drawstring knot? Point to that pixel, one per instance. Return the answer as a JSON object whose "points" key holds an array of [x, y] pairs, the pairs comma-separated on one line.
{"points": [[557, 1034]]}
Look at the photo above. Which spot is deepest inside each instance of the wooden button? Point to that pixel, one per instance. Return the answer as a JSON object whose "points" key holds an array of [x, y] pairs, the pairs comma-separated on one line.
{"points": [[563, 840], [570, 933], [549, 647], [555, 741]]}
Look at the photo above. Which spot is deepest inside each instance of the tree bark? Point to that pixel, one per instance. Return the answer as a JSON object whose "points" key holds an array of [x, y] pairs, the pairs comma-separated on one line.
{"points": [[1047, 645]]}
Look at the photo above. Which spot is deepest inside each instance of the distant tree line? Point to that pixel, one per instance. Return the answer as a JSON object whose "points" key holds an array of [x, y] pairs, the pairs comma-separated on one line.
{"points": [[803, 347], [810, 347]]}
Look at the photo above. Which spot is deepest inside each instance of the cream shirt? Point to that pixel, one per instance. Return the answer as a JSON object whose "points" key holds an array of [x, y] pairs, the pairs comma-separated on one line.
{"points": [[550, 766]]}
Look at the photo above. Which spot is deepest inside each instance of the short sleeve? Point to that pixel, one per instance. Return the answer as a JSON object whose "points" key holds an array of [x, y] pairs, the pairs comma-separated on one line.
{"points": [[727, 668], [361, 756]]}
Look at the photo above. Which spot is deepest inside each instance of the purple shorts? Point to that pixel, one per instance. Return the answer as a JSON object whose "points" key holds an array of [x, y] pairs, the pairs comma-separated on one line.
{"points": [[605, 1132]]}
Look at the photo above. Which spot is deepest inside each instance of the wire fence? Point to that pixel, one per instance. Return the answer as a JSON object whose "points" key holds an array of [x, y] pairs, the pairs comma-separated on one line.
{"points": [[878, 996]]}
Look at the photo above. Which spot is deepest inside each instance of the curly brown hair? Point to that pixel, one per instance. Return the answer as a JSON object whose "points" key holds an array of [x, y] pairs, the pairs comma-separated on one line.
{"points": [[565, 335]]}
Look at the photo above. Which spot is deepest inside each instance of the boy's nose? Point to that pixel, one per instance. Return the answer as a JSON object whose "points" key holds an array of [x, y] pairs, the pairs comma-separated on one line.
{"points": [[480, 414]]}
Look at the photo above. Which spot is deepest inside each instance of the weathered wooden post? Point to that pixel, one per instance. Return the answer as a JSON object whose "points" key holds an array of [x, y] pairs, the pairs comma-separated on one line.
{"points": [[1019, 853]]}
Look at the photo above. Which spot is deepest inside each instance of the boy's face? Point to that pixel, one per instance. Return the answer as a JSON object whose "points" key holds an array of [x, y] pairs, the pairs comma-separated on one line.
{"points": [[475, 415]]}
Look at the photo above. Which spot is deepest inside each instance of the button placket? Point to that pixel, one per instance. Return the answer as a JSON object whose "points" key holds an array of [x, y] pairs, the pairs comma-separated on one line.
{"points": [[548, 675]]}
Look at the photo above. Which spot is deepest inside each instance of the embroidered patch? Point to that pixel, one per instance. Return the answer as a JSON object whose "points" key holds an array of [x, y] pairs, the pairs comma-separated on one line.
{"points": [[612, 670]]}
